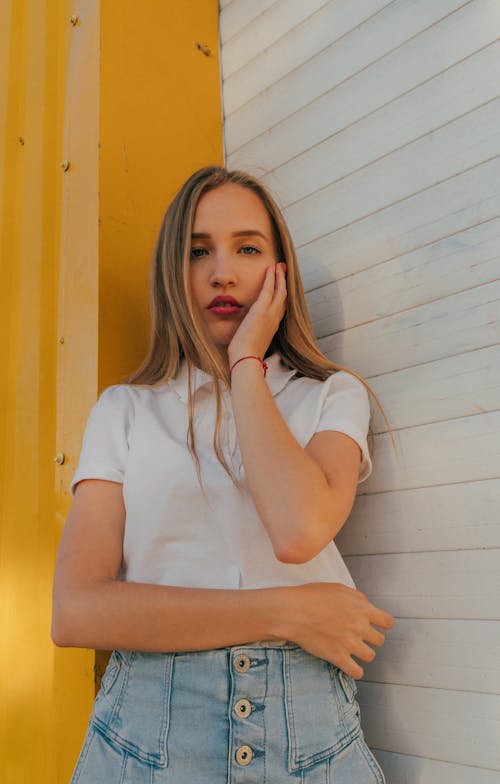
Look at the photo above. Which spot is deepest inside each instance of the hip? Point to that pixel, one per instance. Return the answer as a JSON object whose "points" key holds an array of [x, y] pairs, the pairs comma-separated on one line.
{"points": [[265, 712]]}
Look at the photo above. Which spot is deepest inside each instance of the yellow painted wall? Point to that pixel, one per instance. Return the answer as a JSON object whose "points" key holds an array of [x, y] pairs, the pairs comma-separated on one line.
{"points": [[160, 119], [126, 97]]}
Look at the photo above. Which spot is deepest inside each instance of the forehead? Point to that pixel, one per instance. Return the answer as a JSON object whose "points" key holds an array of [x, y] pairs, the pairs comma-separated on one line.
{"points": [[233, 208]]}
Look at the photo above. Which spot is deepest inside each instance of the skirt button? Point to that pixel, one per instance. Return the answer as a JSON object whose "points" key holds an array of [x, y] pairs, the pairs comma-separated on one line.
{"points": [[243, 708], [244, 755], [241, 663]]}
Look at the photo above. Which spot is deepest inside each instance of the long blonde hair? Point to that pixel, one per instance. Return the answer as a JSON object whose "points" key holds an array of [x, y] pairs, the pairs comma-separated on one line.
{"points": [[176, 329]]}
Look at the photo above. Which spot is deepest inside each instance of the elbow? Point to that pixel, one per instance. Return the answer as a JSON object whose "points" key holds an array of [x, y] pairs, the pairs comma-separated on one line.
{"points": [[292, 556], [64, 628], [298, 551], [60, 631], [59, 639], [78, 620], [303, 542]]}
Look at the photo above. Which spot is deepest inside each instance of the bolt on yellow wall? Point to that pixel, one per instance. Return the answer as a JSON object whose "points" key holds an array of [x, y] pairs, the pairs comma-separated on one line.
{"points": [[105, 108]]}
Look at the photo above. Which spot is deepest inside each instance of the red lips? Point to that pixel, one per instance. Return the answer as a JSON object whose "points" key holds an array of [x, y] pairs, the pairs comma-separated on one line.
{"points": [[222, 299]]}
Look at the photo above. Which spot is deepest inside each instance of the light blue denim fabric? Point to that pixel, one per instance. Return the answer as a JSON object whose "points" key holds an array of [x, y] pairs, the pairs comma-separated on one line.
{"points": [[252, 714]]}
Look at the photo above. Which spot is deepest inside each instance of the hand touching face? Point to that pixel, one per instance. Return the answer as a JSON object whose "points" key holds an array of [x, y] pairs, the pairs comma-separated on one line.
{"points": [[232, 248]]}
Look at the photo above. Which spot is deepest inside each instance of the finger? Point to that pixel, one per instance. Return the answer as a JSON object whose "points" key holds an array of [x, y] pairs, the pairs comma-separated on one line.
{"points": [[363, 652], [352, 668], [280, 285], [381, 618], [268, 287], [374, 637]]}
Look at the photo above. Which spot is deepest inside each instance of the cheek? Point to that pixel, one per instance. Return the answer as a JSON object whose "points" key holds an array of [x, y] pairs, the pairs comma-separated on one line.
{"points": [[260, 276]]}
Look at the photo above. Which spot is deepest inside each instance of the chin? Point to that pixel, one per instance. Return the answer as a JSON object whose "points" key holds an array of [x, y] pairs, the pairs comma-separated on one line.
{"points": [[223, 332], [222, 338]]}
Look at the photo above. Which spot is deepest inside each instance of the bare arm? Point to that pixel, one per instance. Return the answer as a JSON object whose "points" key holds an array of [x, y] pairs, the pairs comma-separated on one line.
{"points": [[303, 496], [92, 609]]}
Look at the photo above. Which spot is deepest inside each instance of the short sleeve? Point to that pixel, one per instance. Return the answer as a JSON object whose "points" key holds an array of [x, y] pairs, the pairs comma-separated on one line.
{"points": [[346, 408], [105, 443]]}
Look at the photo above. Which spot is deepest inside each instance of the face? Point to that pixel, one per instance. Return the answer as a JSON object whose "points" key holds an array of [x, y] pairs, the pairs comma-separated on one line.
{"points": [[232, 246]]}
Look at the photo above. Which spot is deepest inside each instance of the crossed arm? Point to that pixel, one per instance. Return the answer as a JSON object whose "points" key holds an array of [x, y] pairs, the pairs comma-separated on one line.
{"points": [[303, 497]]}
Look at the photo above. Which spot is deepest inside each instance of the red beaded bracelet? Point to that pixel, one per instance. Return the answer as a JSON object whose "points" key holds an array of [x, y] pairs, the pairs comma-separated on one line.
{"points": [[264, 364]]}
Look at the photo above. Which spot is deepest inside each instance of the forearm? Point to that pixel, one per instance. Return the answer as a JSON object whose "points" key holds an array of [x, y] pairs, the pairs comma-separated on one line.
{"points": [[135, 616], [329, 620], [288, 487]]}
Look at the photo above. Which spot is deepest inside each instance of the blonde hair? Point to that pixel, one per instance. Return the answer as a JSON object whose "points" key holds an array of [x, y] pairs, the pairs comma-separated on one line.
{"points": [[176, 329]]}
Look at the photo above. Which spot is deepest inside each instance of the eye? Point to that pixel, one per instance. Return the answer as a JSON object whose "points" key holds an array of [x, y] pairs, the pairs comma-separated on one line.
{"points": [[197, 253], [249, 250]]}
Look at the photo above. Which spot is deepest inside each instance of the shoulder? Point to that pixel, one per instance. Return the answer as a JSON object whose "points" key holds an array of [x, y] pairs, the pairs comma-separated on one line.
{"points": [[125, 402], [117, 404], [342, 381], [114, 399], [341, 403], [336, 403], [341, 384], [118, 392], [121, 396]]}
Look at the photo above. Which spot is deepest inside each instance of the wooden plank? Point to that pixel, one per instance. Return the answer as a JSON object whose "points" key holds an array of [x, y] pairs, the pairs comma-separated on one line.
{"points": [[406, 769], [461, 655], [450, 44], [425, 110], [443, 725], [436, 213], [467, 259], [236, 14], [449, 584], [263, 32], [281, 44], [449, 326], [451, 452], [466, 142], [443, 517], [468, 383], [372, 40]]}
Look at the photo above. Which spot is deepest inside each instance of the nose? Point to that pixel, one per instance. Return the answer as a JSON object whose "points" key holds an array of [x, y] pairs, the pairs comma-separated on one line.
{"points": [[223, 271]]}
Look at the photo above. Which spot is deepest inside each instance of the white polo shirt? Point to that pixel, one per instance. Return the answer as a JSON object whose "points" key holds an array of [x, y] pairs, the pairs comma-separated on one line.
{"points": [[175, 534]]}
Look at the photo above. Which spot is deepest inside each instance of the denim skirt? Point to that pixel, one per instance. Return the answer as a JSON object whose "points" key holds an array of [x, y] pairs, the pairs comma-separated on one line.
{"points": [[262, 713]]}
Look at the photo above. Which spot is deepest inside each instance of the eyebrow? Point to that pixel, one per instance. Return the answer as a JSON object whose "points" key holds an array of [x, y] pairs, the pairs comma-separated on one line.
{"points": [[243, 233]]}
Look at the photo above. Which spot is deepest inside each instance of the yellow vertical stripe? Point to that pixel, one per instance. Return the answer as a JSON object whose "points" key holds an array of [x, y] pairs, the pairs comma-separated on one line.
{"points": [[126, 97]]}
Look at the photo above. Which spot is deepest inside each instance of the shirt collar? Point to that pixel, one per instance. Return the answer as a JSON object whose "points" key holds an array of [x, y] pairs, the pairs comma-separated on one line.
{"points": [[277, 377]]}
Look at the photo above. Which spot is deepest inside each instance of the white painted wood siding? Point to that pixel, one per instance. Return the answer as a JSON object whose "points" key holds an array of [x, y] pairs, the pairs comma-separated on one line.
{"points": [[377, 126]]}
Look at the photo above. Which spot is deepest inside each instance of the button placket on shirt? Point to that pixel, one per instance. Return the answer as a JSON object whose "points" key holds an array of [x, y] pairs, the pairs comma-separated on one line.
{"points": [[230, 427]]}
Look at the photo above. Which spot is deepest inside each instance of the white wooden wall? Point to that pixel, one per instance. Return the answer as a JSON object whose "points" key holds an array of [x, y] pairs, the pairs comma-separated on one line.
{"points": [[377, 125]]}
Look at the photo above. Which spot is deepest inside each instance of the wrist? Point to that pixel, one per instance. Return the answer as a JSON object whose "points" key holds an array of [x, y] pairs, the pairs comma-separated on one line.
{"points": [[248, 360], [238, 351], [276, 621]]}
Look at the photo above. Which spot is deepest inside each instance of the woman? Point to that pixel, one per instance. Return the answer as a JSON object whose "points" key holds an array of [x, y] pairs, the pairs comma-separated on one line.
{"points": [[199, 543]]}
